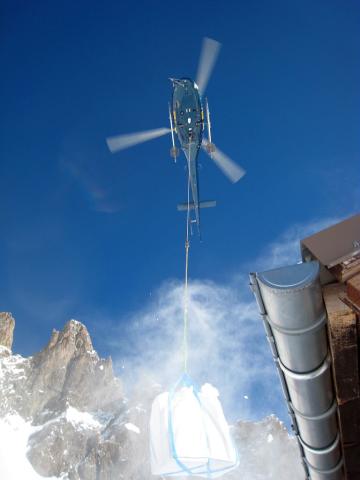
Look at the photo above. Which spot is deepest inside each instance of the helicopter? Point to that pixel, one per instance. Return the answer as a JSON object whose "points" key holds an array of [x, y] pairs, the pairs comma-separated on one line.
{"points": [[188, 117]]}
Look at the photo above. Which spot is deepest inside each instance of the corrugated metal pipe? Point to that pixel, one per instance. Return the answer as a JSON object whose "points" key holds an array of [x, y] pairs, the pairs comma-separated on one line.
{"points": [[294, 316]]}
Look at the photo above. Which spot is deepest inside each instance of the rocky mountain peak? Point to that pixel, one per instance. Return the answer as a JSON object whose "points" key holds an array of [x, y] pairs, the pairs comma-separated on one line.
{"points": [[7, 325], [68, 371], [73, 341]]}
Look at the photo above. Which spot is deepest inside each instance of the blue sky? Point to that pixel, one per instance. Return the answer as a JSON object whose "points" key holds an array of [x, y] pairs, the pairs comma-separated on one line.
{"points": [[91, 235]]}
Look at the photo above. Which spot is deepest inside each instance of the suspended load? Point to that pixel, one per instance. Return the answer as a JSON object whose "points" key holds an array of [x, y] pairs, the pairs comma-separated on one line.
{"points": [[189, 435]]}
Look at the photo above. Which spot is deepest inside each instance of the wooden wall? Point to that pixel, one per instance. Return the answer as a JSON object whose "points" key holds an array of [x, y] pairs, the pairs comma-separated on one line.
{"points": [[342, 301]]}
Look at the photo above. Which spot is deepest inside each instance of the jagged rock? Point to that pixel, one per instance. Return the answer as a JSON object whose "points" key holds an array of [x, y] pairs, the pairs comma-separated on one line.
{"points": [[69, 371], [7, 325], [58, 447], [66, 376]]}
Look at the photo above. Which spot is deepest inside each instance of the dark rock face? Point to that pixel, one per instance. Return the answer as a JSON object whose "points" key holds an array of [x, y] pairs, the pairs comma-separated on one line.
{"points": [[58, 447], [78, 408], [69, 372], [84, 428], [7, 325]]}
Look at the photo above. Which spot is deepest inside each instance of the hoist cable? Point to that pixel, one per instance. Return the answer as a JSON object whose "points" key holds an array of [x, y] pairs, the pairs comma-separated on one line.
{"points": [[187, 246]]}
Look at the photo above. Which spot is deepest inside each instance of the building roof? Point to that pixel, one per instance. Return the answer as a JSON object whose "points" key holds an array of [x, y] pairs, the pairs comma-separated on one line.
{"points": [[335, 244]]}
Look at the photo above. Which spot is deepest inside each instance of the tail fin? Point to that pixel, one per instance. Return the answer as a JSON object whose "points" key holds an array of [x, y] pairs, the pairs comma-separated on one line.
{"points": [[207, 204]]}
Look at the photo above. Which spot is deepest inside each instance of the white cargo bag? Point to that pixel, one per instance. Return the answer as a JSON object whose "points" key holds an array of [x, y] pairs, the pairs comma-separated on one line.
{"points": [[189, 434]]}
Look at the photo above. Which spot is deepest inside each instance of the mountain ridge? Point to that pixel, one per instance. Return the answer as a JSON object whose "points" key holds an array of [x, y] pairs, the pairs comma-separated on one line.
{"points": [[80, 424]]}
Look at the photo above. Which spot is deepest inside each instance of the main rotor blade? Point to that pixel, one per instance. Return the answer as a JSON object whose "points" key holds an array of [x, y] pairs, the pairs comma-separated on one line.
{"points": [[120, 142], [231, 169], [209, 53]]}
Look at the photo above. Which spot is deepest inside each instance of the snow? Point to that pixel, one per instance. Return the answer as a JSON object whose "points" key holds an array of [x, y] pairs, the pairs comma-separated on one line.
{"points": [[132, 427], [269, 438], [14, 363], [92, 352], [82, 419], [13, 366], [208, 389], [75, 322], [78, 419], [14, 464]]}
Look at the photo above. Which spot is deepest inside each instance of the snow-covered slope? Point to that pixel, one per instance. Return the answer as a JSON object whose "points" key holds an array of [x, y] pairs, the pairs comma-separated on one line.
{"points": [[63, 416], [14, 435]]}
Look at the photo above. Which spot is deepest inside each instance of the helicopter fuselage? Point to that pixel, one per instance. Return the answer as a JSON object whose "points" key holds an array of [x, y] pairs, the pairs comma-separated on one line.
{"points": [[188, 118]]}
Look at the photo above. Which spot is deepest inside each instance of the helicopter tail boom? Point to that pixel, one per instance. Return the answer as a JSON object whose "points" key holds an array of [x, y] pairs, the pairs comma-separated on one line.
{"points": [[207, 204]]}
